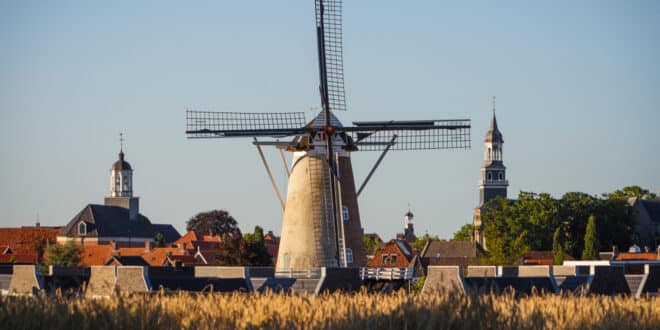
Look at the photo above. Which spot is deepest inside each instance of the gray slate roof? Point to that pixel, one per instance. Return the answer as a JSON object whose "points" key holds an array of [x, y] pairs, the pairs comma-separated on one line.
{"points": [[108, 221], [451, 249], [652, 208], [493, 134]]}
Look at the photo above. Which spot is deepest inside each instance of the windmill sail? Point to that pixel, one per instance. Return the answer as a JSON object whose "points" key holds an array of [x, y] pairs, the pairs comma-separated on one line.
{"points": [[207, 124], [331, 63]]}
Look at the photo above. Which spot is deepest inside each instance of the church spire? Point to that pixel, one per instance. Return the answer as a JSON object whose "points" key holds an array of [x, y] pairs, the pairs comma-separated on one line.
{"points": [[493, 135]]}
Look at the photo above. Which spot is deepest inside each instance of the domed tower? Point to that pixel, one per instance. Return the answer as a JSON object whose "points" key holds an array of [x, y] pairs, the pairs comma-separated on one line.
{"points": [[493, 181], [121, 186]]}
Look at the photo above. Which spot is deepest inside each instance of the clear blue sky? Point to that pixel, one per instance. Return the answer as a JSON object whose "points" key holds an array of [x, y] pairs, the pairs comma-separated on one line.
{"points": [[577, 84]]}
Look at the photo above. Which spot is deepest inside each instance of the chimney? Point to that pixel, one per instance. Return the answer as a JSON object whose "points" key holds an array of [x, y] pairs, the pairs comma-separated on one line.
{"points": [[113, 247], [147, 246]]}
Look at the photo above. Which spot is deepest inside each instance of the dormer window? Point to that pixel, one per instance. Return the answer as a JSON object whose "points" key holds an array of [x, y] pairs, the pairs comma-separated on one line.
{"points": [[82, 229]]}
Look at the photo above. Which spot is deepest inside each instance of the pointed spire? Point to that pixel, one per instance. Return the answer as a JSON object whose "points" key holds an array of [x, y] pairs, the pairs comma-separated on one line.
{"points": [[494, 134]]}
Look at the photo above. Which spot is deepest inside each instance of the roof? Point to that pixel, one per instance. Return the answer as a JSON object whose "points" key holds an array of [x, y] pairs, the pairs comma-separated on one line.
{"points": [[451, 249], [319, 121], [652, 208], [127, 260], [108, 221], [121, 164], [541, 258], [637, 256], [24, 243], [493, 134], [95, 255], [169, 232], [395, 246]]}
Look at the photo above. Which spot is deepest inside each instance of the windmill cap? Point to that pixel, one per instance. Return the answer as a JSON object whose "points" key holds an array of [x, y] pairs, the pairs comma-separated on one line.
{"points": [[319, 121]]}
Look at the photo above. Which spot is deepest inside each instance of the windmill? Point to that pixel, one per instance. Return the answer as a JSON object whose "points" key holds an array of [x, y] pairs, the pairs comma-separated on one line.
{"points": [[321, 225]]}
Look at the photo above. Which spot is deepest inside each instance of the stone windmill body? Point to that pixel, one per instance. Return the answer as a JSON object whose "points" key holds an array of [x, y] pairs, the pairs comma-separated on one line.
{"points": [[321, 224]]}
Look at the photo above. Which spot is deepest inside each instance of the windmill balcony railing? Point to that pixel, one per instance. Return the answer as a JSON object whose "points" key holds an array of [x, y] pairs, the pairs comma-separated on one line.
{"points": [[299, 273], [386, 273]]}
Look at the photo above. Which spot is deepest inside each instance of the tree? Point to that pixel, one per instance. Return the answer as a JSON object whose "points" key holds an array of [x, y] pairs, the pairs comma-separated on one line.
{"points": [[557, 247], [67, 254], [591, 245], [464, 234], [216, 222], [371, 244], [632, 191], [420, 243], [255, 252], [160, 240]]}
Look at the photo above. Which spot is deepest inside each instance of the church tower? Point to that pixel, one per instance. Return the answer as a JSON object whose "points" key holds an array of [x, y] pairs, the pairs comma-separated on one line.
{"points": [[408, 229], [493, 181], [121, 186]]}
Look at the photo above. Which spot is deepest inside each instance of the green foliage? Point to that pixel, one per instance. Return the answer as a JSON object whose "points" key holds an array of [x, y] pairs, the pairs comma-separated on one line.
{"points": [[420, 242], [418, 285], [371, 244], [464, 234], [528, 224], [591, 245], [67, 254], [557, 247], [255, 253], [632, 191], [216, 222]]}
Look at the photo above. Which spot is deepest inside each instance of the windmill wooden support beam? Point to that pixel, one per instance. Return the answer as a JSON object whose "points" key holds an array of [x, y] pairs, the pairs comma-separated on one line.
{"points": [[321, 224]]}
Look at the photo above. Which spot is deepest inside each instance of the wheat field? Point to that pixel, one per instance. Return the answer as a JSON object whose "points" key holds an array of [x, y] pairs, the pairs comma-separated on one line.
{"points": [[331, 311]]}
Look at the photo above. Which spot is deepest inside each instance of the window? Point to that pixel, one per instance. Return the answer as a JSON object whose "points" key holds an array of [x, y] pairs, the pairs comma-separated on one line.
{"points": [[501, 176], [344, 212], [349, 256], [393, 258], [386, 259], [489, 176], [82, 229]]}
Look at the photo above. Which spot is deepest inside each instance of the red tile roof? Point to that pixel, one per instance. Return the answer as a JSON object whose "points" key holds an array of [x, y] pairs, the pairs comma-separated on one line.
{"points": [[27, 242]]}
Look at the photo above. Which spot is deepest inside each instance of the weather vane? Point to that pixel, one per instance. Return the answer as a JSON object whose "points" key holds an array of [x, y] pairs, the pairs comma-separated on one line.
{"points": [[121, 141]]}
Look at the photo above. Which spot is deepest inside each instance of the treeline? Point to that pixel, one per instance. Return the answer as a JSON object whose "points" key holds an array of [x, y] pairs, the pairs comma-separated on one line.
{"points": [[529, 223]]}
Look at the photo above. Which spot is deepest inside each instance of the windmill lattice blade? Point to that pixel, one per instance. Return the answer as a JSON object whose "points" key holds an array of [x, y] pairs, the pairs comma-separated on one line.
{"points": [[332, 33], [207, 124], [412, 135]]}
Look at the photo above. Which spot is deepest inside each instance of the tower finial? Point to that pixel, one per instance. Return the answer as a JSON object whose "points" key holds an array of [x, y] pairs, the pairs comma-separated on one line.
{"points": [[121, 142], [493, 105]]}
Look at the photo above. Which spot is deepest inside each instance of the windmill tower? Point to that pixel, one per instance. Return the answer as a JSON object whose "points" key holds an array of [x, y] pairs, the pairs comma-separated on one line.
{"points": [[321, 225]]}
